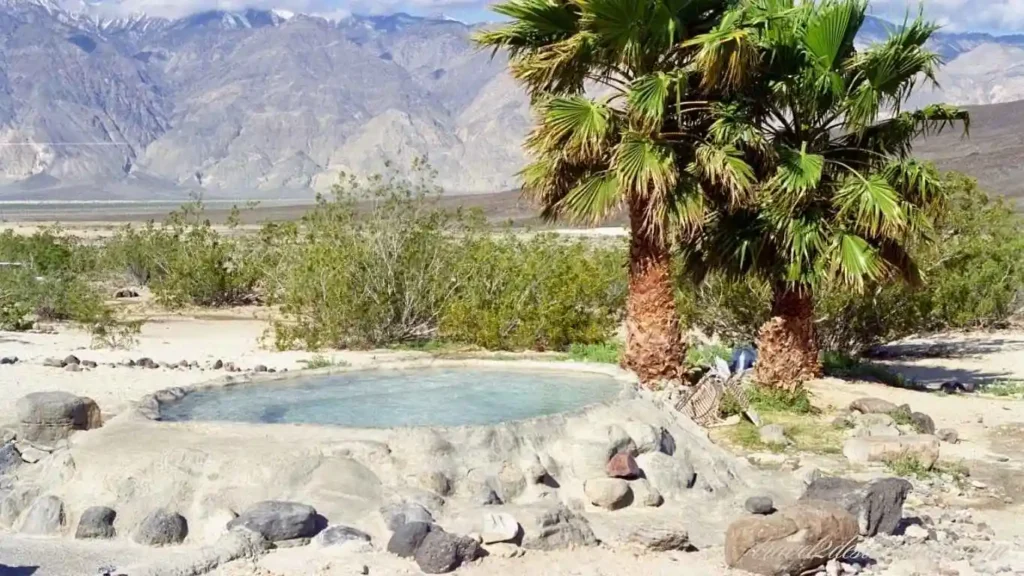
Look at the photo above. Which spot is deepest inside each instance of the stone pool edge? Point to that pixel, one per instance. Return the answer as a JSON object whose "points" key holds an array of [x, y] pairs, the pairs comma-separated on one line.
{"points": [[150, 405]]}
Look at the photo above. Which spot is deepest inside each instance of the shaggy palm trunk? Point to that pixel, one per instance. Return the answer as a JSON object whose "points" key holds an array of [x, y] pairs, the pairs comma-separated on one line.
{"points": [[787, 352], [654, 344]]}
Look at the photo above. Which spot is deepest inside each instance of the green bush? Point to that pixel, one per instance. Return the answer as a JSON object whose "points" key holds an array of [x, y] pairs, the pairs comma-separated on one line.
{"points": [[406, 270], [603, 353]]}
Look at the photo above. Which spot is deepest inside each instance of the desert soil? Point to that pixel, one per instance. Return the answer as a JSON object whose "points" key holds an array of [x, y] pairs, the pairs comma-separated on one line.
{"points": [[991, 429]]}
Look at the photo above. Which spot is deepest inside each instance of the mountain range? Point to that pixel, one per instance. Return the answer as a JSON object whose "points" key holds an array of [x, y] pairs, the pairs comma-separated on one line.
{"points": [[271, 104]]}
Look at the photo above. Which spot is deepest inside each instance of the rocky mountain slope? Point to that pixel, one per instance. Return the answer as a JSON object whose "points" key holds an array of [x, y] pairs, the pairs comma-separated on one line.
{"points": [[272, 104]]}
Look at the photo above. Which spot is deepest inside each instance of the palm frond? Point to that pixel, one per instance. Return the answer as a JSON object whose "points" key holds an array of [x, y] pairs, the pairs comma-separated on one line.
{"points": [[871, 204], [592, 200]]}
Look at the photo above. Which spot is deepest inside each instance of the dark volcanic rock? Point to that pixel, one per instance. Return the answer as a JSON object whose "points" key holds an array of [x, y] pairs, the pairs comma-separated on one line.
{"points": [[161, 528], [407, 538], [278, 521], [877, 505], [759, 505], [441, 552], [923, 422], [96, 522]]}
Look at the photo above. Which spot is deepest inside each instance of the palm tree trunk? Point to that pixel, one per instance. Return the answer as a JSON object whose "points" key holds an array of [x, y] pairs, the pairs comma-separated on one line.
{"points": [[787, 352], [654, 343]]}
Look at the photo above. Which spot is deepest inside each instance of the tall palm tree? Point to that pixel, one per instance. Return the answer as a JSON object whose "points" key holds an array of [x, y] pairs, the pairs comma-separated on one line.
{"points": [[839, 198], [621, 121]]}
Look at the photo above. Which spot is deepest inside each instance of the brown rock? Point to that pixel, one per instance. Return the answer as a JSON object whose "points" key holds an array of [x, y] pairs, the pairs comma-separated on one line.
{"points": [[623, 465], [920, 447], [872, 406], [792, 541]]}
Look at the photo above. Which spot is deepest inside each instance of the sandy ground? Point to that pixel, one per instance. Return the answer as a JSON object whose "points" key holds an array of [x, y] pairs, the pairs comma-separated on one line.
{"points": [[992, 431]]}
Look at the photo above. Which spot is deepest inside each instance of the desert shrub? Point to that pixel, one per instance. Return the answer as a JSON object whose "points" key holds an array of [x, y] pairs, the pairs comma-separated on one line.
{"points": [[540, 293], [186, 261], [405, 270], [731, 309]]}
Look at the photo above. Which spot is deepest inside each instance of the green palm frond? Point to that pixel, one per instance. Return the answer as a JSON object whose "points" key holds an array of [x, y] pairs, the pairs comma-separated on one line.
{"points": [[593, 199], [724, 167], [798, 173], [871, 204], [576, 126], [650, 95], [854, 261], [831, 31]]}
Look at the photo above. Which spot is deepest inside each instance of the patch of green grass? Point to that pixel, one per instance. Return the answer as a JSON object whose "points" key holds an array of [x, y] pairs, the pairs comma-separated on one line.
{"points": [[765, 399], [808, 434], [841, 365], [320, 361], [604, 353], [1005, 388], [902, 416], [907, 466], [704, 355]]}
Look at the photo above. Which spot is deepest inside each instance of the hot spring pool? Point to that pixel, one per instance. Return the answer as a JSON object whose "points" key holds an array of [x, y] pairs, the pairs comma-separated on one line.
{"points": [[392, 398]]}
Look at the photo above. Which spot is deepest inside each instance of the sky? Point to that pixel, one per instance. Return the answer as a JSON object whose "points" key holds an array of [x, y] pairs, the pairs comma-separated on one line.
{"points": [[995, 16]]}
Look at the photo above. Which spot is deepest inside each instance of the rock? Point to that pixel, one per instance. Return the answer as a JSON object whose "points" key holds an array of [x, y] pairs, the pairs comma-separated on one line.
{"points": [[486, 496], [872, 406], [808, 474], [500, 527], [218, 364], [53, 363], [622, 465], [89, 364], [659, 539], [441, 552], [923, 448], [96, 522], [511, 481], [45, 517], [71, 359], [948, 435], [503, 550], [435, 481], [773, 434], [45, 417], [161, 528], [73, 368], [791, 541], [915, 532], [29, 453], [759, 505], [832, 568], [258, 368], [610, 493], [338, 535], [7, 360], [10, 459], [672, 476], [395, 515], [278, 521], [923, 423], [872, 419], [644, 494], [407, 538], [126, 293], [555, 528], [877, 505], [645, 437], [877, 431], [15, 502]]}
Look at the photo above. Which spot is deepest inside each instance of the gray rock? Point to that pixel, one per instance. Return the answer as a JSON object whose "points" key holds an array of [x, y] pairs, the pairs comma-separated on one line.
{"points": [[395, 515], [872, 406], [53, 363], [10, 459], [258, 368], [96, 522], [610, 493], [644, 494], [71, 359], [877, 505], [46, 417], [501, 527], [277, 521], [923, 423], [338, 535], [161, 528], [555, 528], [407, 538], [672, 476], [659, 539], [486, 496], [15, 502], [6, 360], [218, 364], [773, 434], [88, 364], [73, 368], [441, 552], [29, 453], [759, 505], [948, 435], [45, 517], [922, 448], [877, 430]]}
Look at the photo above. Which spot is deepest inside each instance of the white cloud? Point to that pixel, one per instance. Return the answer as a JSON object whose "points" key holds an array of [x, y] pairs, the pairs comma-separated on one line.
{"points": [[331, 8], [999, 16]]}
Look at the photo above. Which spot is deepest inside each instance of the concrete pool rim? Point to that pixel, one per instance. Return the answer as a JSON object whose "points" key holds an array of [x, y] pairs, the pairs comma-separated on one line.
{"points": [[150, 406]]}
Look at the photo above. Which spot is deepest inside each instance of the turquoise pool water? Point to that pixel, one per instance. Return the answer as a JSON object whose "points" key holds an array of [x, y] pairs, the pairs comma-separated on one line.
{"points": [[394, 398]]}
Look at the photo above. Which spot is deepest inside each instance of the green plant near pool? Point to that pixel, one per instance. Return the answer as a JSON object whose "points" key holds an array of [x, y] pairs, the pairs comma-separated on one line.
{"points": [[604, 353]]}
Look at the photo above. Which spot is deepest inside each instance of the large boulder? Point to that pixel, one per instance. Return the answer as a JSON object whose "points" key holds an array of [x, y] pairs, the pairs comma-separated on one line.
{"points": [[15, 502], [672, 476], [923, 423], [45, 417], [441, 552], [872, 406], [791, 541], [877, 505], [501, 527], [610, 493], [395, 515], [408, 537], [161, 528], [278, 521], [96, 522], [644, 494], [922, 448], [45, 517], [10, 459], [555, 528]]}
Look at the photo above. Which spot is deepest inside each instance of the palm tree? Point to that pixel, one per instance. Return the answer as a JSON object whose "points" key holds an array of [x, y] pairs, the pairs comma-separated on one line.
{"points": [[621, 121], [839, 199]]}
